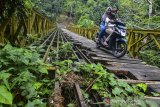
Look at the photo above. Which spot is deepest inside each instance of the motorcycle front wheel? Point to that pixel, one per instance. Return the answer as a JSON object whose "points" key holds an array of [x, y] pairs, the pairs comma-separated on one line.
{"points": [[119, 49]]}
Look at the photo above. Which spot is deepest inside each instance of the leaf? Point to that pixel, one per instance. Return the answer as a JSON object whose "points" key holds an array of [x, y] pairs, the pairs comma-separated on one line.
{"points": [[5, 96], [21, 103], [39, 103], [71, 105], [95, 86], [129, 88], [25, 61], [29, 104], [86, 95], [113, 82], [7, 47], [122, 83], [155, 94], [142, 86], [42, 69], [117, 91], [37, 85], [4, 77]]}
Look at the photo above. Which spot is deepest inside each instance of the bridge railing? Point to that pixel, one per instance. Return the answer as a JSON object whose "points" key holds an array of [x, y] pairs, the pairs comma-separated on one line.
{"points": [[137, 39], [16, 27], [90, 33]]}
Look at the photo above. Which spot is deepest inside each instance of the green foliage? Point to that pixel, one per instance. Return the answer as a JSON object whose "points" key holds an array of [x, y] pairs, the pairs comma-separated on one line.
{"points": [[133, 12], [64, 66], [50, 8], [71, 105], [5, 96], [105, 79], [151, 57], [20, 71], [106, 84], [84, 21], [28, 4], [64, 52], [32, 38], [132, 102], [9, 7], [155, 94]]}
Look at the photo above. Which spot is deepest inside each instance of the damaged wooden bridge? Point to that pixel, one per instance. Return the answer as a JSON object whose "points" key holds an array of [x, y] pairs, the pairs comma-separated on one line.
{"points": [[125, 67]]}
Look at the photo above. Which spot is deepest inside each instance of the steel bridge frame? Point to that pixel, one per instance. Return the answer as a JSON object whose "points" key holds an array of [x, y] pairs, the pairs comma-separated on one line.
{"points": [[33, 23]]}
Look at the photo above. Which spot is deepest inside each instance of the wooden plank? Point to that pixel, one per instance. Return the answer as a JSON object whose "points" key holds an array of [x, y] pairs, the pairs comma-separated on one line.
{"points": [[117, 71], [154, 99], [79, 96], [154, 87], [140, 72], [111, 57], [141, 66], [100, 59], [145, 75]]}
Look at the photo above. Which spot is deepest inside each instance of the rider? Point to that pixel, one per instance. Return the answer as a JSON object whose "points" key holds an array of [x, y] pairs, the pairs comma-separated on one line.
{"points": [[102, 25], [107, 16], [109, 30]]}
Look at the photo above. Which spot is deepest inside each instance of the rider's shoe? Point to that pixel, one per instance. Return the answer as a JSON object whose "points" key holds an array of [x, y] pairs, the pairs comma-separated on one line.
{"points": [[105, 44], [97, 40]]}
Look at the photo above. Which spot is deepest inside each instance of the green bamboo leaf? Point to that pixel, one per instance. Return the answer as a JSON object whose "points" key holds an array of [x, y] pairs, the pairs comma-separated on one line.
{"points": [[5, 96]]}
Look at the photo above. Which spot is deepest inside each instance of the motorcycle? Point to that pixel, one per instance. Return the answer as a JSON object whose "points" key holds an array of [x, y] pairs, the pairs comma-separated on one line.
{"points": [[116, 41]]}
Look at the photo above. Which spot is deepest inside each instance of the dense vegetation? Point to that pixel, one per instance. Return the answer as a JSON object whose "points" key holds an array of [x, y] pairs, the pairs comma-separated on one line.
{"points": [[23, 78], [151, 57], [143, 14], [10, 7]]}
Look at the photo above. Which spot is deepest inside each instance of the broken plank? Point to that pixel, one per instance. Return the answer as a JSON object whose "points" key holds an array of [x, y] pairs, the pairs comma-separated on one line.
{"points": [[79, 96], [154, 87]]}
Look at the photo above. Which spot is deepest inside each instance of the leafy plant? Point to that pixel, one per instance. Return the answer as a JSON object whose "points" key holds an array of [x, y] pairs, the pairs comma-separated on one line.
{"points": [[5, 96], [106, 84], [151, 57], [84, 21], [20, 80], [64, 66], [64, 52]]}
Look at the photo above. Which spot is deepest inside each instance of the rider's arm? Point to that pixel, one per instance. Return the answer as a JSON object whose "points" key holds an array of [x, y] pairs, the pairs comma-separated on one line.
{"points": [[107, 21]]}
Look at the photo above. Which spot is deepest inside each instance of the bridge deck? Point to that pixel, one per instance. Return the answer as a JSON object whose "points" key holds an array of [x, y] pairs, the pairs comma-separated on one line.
{"points": [[129, 67]]}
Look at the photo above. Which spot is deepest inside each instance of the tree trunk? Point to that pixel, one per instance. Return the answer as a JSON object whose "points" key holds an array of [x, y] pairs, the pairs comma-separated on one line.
{"points": [[150, 11]]}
